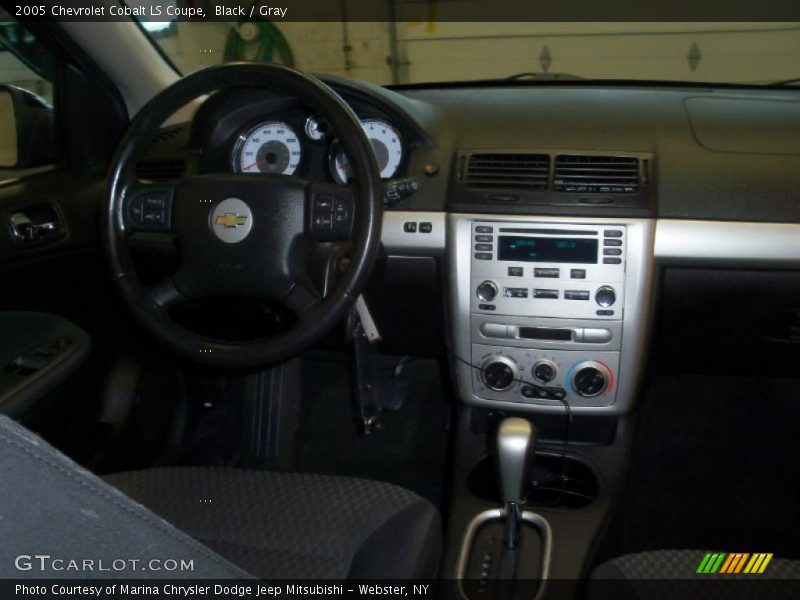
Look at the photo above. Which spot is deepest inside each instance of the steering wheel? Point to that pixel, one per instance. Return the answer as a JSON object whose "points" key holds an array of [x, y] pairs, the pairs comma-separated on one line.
{"points": [[245, 235]]}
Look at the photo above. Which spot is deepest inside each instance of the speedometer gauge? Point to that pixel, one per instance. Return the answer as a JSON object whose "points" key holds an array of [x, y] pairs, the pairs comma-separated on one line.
{"points": [[386, 144], [271, 147]]}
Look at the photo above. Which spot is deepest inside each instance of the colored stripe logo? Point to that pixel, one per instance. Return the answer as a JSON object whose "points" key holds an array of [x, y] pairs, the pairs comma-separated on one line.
{"points": [[733, 563]]}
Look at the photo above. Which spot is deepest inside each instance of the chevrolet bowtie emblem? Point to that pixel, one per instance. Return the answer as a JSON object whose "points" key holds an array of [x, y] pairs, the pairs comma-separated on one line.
{"points": [[231, 220]]}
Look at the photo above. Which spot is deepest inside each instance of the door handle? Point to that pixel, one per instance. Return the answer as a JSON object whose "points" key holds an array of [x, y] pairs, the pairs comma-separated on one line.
{"points": [[36, 224]]}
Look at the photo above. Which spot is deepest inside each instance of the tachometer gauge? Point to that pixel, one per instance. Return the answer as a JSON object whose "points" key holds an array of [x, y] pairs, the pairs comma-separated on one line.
{"points": [[272, 147], [386, 144]]}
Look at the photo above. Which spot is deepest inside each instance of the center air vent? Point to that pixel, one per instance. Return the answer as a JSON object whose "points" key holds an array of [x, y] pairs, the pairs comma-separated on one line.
{"points": [[508, 171], [160, 170], [601, 174]]}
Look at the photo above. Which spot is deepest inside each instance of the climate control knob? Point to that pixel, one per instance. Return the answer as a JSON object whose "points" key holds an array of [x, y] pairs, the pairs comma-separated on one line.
{"points": [[487, 291], [605, 296], [544, 371], [499, 373], [590, 379]]}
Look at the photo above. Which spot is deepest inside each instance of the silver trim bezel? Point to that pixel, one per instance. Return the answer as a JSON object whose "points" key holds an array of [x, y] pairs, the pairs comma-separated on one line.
{"points": [[532, 518]]}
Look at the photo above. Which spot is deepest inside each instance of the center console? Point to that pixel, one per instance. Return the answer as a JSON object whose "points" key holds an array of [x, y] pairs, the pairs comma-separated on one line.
{"points": [[549, 311]]}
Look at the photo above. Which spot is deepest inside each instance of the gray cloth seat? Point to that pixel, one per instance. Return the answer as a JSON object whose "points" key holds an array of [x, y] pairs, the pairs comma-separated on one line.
{"points": [[228, 523], [293, 525]]}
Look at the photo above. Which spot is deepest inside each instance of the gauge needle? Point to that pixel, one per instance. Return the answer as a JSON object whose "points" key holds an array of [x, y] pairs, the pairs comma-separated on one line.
{"points": [[260, 161]]}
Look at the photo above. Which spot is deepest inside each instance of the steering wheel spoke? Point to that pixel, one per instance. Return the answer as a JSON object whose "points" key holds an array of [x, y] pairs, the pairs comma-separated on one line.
{"points": [[148, 207], [330, 212], [301, 299], [165, 294]]}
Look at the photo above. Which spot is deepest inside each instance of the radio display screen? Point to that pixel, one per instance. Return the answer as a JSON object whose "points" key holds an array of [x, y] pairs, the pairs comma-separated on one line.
{"points": [[547, 249]]}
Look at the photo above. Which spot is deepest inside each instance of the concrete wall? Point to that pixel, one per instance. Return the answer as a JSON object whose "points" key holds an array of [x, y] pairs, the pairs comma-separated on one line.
{"points": [[737, 52]]}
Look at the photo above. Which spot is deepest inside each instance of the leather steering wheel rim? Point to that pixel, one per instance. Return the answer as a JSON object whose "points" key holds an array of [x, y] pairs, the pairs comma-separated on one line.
{"points": [[151, 305]]}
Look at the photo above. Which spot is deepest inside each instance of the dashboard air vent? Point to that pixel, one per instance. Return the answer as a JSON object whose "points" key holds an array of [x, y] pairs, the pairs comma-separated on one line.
{"points": [[160, 170], [596, 174], [508, 171]]}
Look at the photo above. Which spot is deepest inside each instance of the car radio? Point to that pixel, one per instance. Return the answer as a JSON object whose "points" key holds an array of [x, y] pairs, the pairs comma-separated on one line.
{"points": [[553, 270]]}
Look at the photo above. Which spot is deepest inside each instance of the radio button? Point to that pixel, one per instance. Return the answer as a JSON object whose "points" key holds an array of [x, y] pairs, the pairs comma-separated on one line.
{"points": [[612, 242], [605, 313], [487, 307], [578, 273], [545, 294], [552, 273], [484, 238], [612, 233], [483, 255], [611, 251], [486, 291], [484, 247], [515, 292], [494, 330], [595, 336], [576, 294], [515, 271], [612, 261], [483, 229], [605, 296]]}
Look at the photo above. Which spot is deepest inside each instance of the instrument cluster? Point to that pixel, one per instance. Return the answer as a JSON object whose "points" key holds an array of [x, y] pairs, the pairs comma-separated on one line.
{"points": [[282, 147]]}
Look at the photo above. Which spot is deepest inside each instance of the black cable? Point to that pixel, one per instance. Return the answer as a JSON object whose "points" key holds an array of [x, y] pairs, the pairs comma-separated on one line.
{"points": [[567, 426]]}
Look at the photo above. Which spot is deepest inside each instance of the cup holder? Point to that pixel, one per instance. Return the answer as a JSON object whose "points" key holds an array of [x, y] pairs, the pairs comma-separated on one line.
{"points": [[556, 482]]}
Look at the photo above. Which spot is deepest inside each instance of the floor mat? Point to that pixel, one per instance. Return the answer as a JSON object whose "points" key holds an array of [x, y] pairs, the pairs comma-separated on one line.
{"points": [[410, 448], [716, 465]]}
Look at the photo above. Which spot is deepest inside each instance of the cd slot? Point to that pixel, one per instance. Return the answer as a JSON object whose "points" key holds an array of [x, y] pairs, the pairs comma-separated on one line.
{"points": [[545, 333], [580, 335]]}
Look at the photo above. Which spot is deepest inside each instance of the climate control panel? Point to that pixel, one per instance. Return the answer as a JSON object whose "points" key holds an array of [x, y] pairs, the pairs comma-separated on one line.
{"points": [[534, 376]]}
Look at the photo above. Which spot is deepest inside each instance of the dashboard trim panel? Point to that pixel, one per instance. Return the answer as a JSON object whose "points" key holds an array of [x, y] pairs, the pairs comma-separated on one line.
{"points": [[677, 241]]}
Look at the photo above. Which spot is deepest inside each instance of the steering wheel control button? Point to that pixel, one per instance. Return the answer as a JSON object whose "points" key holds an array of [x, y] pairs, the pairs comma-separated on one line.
{"points": [[544, 371], [410, 227], [605, 296], [231, 221], [323, 222], [323, 203], [150, 208], [550, 273], [486, 291], [590, 379]]}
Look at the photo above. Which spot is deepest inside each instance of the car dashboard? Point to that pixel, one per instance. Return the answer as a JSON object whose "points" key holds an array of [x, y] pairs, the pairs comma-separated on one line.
{"points": [[551, 209]]}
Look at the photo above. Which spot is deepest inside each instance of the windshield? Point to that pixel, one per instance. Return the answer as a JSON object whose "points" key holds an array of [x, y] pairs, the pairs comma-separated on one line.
{"points": [[427, 52]]}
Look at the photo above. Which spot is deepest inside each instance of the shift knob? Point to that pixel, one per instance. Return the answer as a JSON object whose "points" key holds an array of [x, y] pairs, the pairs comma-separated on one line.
{"points": [[516, 446]]}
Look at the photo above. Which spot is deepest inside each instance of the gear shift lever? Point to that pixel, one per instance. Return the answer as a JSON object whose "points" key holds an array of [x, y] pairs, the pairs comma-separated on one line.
{"points": [[516, 446]]}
